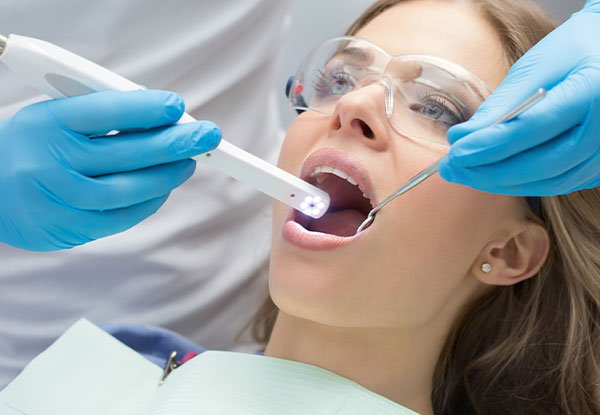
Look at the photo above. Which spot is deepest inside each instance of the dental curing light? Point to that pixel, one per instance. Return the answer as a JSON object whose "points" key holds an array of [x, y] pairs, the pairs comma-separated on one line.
{"points": [[431, 170], [59, 73]]}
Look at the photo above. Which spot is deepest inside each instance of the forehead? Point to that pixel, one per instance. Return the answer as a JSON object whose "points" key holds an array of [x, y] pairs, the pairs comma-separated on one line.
{"points": [[451, 30]]}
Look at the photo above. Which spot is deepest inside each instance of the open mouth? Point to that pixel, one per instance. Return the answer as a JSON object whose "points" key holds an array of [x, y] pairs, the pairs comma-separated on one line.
{"points": [[351, 194], [348, 209], [345, 180]]}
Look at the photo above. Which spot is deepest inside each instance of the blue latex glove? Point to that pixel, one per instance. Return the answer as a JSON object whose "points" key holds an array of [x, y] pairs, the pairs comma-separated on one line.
{"points": [[554, 147], [60, 188]]}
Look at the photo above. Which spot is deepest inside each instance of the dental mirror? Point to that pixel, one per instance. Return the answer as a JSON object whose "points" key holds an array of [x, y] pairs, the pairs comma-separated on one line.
{"points": [[431, 170]]}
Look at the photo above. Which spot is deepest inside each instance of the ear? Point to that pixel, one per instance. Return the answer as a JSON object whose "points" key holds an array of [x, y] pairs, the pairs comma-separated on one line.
{"points": [[515, 257]]}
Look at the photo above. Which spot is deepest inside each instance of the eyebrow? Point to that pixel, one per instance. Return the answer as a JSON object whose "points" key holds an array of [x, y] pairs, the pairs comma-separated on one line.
{"points": [[471, 86], [446, 91], [354, 52], [455, 95], [364, 56]]}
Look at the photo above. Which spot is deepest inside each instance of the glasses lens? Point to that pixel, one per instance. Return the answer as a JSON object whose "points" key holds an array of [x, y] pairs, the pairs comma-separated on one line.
{"points": [[429, 95], [333, 70], [432, 95]]}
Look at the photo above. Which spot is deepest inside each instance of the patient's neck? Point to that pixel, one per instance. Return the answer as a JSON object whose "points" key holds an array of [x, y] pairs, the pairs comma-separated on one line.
{"points": [[397, 365]]}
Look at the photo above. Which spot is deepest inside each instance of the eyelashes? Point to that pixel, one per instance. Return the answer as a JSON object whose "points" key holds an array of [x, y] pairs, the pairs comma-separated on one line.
{"points": [[455, 116], [328, 84]]}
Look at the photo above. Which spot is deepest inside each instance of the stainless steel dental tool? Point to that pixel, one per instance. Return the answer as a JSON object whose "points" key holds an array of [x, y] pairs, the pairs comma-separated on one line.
{"points": [[59, 73], [431, 170]]}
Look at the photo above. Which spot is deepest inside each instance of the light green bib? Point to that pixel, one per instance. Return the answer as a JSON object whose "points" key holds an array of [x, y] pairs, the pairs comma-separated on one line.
{"points": [[88, 371]]}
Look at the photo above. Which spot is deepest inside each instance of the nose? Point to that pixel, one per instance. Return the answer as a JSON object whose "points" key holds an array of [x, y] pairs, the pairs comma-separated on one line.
{"points": [[361, 114]]}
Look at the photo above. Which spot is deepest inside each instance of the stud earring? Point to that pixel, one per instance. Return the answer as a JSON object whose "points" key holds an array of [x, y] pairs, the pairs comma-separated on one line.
{"points": [[486, 268]]}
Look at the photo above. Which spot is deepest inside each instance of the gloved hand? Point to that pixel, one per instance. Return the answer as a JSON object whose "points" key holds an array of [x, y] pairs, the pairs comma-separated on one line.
{"points": [[554, 147], [60, 188]]}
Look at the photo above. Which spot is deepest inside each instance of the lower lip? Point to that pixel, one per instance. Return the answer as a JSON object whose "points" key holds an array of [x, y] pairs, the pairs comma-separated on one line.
{"points": [[297, 235]]}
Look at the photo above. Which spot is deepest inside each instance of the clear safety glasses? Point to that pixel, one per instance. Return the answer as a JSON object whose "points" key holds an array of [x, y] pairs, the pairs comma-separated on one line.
{"points": [[424, 96]]}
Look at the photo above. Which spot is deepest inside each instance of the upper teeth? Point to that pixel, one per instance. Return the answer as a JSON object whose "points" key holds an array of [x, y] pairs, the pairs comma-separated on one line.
{"points": [[339, 173]]}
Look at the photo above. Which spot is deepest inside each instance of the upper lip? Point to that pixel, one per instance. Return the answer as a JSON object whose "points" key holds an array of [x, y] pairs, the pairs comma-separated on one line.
{"points": [[345, 162]]}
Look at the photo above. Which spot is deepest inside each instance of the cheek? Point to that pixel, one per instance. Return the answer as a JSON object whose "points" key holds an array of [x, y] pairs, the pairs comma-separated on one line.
{"points": [[435, 217], [429, 242]]}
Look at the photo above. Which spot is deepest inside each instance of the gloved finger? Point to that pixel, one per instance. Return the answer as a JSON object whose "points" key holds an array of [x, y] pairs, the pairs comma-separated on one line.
{"points": [[98, 225], [566, 182], [119, 190], [525, 167], [565, 106], [100, 112], [134, 151]]}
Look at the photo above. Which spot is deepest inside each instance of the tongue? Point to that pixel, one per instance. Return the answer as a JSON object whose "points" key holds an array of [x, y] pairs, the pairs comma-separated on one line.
{"points": [[341, 223]]}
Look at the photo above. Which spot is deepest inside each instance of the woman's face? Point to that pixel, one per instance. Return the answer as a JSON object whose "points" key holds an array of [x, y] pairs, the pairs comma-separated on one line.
{"points": [[414, 263]]}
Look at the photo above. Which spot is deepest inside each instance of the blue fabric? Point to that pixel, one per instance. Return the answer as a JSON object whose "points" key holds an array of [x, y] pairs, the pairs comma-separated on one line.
{"points": [[154, 343]]}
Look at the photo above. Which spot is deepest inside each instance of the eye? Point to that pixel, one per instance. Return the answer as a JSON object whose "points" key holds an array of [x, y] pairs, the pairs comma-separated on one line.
{"points": [[329, 84], [339, 86], [433, 111], [438, 109]]}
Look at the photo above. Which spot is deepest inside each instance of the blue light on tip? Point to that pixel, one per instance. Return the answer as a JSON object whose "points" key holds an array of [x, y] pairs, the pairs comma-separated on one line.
{"points": [[312, 206]]}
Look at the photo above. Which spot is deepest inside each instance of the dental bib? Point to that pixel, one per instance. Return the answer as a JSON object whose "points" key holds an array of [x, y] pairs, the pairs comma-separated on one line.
{"points": [[88, 371]]}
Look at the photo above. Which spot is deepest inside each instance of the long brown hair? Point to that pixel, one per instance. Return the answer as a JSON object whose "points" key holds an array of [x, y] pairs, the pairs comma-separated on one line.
{"points": [[531, 348]]}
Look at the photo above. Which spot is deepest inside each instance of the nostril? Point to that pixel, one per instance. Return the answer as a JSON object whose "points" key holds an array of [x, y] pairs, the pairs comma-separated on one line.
{"points": [[336, 123], [366, 130]]}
